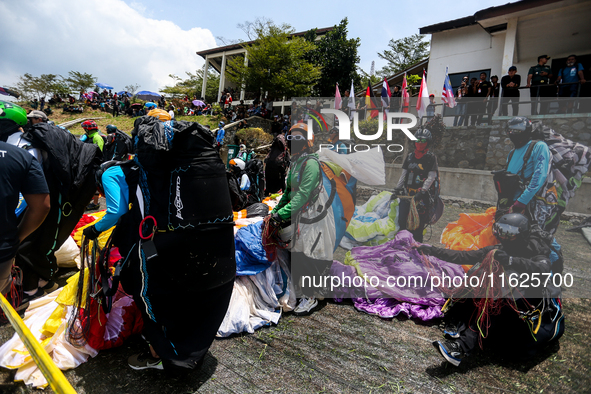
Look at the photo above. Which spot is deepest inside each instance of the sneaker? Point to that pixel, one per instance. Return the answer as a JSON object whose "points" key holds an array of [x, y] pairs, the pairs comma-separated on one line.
{"points": [[306, 306], [51, 286], [28, 298], [451, 330], [451, 351], [93, 207], [144, 361]]}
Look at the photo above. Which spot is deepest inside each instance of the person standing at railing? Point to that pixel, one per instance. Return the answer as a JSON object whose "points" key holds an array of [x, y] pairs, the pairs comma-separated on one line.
{"points": [[461, 92], [493, 101], [510, 92], [571, 74], [538, 80]]}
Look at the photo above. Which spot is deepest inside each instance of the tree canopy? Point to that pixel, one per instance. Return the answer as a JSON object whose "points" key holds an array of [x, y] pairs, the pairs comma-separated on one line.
{"points": [[78, 81], [337, 56], [31, 87], [277, 62], [403, 53], [191, 86]]}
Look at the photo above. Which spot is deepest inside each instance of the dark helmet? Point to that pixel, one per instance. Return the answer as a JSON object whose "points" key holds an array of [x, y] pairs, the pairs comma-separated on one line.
{"points": [[511, 227], [111, 128], [98, 175], [519, 130], [424, 134]]}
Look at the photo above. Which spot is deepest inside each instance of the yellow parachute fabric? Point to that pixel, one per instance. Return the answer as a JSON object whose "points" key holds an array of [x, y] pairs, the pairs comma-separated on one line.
{"points": [[102, 239]]}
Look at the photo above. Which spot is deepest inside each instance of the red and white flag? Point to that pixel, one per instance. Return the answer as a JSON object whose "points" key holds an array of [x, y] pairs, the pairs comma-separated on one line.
{"points": [[405, 95], [337, 98], [423, 100]]}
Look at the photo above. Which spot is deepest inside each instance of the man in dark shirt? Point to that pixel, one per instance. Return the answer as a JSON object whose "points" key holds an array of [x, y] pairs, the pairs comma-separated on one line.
{"points": [[510, 91], [19, 172], [493, 101], [538, 80], [481, 90]]}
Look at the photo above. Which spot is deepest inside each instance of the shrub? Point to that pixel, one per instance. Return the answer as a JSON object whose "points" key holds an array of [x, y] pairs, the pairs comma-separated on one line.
{"points": [[254, 137]]}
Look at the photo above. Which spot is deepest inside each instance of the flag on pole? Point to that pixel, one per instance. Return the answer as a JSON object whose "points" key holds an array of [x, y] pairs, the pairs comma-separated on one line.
{"points": [[423, 100], [386, 95], [337, 98], [370, 102], [405, 95], [351, 103], [447, 95]]}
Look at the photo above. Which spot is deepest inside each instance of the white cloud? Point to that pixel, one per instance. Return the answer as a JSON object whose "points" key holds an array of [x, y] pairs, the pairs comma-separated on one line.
{"points": [[106, 38]]}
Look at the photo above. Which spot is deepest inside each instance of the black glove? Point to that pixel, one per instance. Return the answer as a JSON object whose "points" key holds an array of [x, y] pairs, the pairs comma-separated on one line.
{"points": [[399, 191], [425, 249], [503, 258], [276, 219], [91, 232]]}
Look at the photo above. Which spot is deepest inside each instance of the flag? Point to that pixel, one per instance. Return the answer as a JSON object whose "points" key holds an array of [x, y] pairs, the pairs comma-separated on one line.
{"points": [[423, 99], [447, 95], [386, 97], [405, 95], [370, 102], [351, 103], [337, 98]]}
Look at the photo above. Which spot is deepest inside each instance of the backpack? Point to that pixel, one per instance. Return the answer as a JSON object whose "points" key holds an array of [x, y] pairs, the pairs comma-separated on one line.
{"points": [[570, 161]]}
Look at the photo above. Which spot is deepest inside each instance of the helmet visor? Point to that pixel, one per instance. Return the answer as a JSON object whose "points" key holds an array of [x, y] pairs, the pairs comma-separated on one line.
{"points": [[505, 232], [516, 128]]}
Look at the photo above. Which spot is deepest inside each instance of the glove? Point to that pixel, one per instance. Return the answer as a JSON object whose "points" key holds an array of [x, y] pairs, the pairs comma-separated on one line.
{"points": [[399, 191], [503, 258], [276, 219], [517, 207], [91, 232], [425, 249]]}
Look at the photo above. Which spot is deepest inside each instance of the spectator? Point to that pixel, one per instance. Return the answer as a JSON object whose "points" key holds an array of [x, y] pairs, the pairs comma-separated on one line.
{"points": [[510, 90], [481, 90], [493, 103], [42, 104], [396, 98], [571, 74], [35, 104], [461, 93], [171, 111], [37, 117], [431, 107], [538, 79]]}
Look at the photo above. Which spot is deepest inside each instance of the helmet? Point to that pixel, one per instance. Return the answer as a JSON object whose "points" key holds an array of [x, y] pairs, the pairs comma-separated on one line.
{"points": [[511, 227], [238, 163], [222, 124], [242, 146], [519, 124], [160, 114], [302, 127], [89, 125], [10, 111], [98, 175], [111, 128], [424, 134], [519, 130]]}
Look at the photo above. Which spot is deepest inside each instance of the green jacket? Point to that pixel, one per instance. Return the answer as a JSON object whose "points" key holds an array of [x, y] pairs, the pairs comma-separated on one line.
{"points": [[96, 139], [299, 187]]}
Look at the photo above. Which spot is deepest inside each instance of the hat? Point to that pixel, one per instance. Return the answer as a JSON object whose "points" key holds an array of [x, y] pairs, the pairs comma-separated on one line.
{"points": [[543, 56], [37, 114], [512, 68]]}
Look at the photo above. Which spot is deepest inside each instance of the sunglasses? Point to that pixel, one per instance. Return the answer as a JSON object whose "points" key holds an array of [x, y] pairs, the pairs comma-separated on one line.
{"points": [[421, 140], [296, 137]]}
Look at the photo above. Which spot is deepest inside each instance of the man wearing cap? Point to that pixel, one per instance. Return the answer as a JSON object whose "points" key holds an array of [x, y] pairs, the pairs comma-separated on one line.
{"points": [[36, 116], [538, 80], [510, 91]]}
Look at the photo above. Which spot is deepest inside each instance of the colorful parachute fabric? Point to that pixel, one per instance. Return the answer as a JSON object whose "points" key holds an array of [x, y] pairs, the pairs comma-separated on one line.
{"points": [[470, 232], [373, 223], [412, 295]]}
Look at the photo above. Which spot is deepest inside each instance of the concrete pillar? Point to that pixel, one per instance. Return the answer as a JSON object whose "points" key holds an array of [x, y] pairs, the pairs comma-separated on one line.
{"points": [[243, 87], [205, 72], [222, 76], [509, 53]]}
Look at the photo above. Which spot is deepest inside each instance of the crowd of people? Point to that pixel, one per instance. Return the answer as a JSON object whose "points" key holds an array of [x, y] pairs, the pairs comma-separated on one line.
{"points": [[179, 221]]}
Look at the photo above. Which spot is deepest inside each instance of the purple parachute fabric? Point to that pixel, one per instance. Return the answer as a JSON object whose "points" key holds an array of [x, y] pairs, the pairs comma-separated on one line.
{"points": [[397, 261]]}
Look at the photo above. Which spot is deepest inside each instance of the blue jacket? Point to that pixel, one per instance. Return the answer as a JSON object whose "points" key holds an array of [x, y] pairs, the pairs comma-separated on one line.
{"points": [[536, 169], [116, 195]]}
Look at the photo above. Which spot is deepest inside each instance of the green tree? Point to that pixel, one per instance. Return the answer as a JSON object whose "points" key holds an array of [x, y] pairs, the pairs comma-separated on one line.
{"points": [[132, 88], [78, 81], [193, 84], [337, 56], [403, 53], [366, 79], [276, 62], [31, 87]]}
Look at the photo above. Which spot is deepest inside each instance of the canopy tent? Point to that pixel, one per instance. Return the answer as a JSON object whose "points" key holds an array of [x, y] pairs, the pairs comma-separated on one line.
{"points": [[123, 92], [103, 86], [147, 95]]}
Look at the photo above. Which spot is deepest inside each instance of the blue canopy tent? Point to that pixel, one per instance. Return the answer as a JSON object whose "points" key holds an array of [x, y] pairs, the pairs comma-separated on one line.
{"points": [[123, 92], [103, 86], [147, 95]]}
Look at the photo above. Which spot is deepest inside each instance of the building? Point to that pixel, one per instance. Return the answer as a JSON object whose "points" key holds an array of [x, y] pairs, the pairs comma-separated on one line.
{"points": [[218, 58], [494, 39]]}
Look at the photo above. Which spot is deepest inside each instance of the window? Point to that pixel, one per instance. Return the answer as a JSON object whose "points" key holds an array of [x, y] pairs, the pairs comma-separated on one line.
{"points": [[456, 79]]}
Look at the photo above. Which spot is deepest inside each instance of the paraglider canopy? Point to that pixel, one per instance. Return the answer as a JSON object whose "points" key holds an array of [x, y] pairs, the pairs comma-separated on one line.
{"points": [[198, 103], [9, 92]]}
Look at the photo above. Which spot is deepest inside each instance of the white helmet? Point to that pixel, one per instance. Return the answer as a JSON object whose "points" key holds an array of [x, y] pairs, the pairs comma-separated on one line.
{"points": [[242, 146], [238, 163]]}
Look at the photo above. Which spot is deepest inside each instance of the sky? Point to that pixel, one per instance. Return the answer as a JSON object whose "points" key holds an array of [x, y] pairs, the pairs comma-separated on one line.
{"points": [[123, 42]]}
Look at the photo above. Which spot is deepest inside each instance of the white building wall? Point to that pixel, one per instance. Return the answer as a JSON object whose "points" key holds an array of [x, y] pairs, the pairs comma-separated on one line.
{"points": [[461, 50]]}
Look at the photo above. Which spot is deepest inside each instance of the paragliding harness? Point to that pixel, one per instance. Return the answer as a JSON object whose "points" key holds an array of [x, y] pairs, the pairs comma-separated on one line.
{"points": [[254, 171], [117, 146]]}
